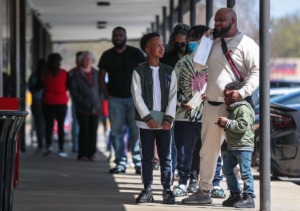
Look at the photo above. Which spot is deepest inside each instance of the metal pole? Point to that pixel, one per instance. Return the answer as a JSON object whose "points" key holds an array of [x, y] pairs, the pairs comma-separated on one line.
{"points": [[15, 48], [164, 28], [22, 73], [152, 27], [180, 11], [192, 12], [264, 108], [209, 11], [23, 52], [171, 18], [157, 23], [230, 3], [1, 51]]}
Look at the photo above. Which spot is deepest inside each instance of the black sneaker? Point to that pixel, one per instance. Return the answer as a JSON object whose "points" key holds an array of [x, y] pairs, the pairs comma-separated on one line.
{"points": [[117, 170], [193, 186], [138, 170], [145, 196], [233, 198], [246, 202], [168, 197], [47, 152]]}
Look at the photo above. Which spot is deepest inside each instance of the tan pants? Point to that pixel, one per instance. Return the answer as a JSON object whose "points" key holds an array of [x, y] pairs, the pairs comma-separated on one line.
{"points": [[212, 139]]}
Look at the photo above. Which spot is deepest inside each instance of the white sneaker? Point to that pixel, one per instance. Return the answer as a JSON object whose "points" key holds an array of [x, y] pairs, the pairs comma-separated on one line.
{"points": [[179, 190], [63, 154]]}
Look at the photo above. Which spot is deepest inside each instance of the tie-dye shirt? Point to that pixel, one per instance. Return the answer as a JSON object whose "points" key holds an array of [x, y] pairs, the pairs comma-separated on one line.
{"points": [[189, 81]]}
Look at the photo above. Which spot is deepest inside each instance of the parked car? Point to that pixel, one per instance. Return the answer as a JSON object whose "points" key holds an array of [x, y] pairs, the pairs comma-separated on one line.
{"points": [[290, 99], [284, 83], [285, 140], [287, 99], [274, 92]]}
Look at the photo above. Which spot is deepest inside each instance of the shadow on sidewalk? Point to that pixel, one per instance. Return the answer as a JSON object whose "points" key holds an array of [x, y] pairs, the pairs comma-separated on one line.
{"points": [[61, 184]]}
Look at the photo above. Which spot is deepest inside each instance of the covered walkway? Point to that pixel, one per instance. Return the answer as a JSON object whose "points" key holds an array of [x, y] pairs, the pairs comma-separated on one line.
{"points": [[63, 184]]}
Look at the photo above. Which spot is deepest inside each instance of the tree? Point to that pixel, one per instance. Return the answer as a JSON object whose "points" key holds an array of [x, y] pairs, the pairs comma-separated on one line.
{"points": [[285, 36]]}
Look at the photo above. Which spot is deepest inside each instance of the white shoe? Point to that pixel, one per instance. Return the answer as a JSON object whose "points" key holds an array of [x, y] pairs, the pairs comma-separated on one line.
{"points": [[63, 154], [179, 190]]}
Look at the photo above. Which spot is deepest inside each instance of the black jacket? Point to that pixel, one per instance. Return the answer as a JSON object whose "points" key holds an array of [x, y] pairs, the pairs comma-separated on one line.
{"points": [[86, 97]]}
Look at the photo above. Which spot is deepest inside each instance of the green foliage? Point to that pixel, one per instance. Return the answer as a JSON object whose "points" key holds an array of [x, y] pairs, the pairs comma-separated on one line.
{"points": [[285, 36]]}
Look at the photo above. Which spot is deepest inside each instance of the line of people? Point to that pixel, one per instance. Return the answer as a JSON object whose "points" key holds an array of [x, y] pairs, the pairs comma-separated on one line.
{"points": [[148, 97], [156, 87], [49, 86]]}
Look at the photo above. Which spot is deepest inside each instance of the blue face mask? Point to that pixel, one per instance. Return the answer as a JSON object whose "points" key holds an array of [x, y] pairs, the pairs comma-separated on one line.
{"points": [[192, 46]]}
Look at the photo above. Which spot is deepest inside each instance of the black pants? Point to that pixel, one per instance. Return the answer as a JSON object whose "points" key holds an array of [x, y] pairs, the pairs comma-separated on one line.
{"points": [[39, 122], [186, 135], [52, 112], [163, 143], [87, 139]]}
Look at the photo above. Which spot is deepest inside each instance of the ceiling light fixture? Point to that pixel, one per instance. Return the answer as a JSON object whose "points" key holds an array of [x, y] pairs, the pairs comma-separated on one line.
{"points": [[103, 3], [101, 27], [101, 22]]}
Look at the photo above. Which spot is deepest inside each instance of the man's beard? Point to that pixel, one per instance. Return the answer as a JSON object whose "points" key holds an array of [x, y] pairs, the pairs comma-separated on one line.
{"points": [[223, 31], [119, 45]]}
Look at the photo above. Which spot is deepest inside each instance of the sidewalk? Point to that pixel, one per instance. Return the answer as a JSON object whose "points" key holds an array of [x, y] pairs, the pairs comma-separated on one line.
{"points": [[65, 184]]}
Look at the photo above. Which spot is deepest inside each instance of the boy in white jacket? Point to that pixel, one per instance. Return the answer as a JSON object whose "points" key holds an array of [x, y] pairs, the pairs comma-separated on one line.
{"points": [[154, 90]]}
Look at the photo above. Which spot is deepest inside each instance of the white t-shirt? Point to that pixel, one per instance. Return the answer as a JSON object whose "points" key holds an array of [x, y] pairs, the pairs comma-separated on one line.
{"points": [[156, 89]]}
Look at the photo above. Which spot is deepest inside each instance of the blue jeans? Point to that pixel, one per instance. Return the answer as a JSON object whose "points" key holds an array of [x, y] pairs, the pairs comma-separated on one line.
{"points": [[243, 158], [218, 176], [122, 114]]}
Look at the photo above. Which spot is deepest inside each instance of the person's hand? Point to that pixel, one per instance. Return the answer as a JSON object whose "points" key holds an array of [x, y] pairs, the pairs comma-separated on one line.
{"points": [[221, 122], [185, 106], [235, 95], [204, 97], [208, 33], [152, 124], [166, 125]]}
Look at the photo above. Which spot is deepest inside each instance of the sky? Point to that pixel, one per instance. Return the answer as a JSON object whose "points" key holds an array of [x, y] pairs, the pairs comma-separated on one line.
{"points": [[281, 8]]}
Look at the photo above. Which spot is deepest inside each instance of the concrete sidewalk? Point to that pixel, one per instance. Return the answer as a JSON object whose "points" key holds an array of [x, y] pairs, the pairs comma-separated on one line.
{"points": [[65, 184]]}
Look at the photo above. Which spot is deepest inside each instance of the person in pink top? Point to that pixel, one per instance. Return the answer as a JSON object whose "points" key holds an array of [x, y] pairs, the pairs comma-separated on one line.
{"points": [[55, 101]]}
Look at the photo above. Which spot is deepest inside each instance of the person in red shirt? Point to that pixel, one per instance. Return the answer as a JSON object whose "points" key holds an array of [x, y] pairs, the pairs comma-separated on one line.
{"points": [[55, 101]]}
